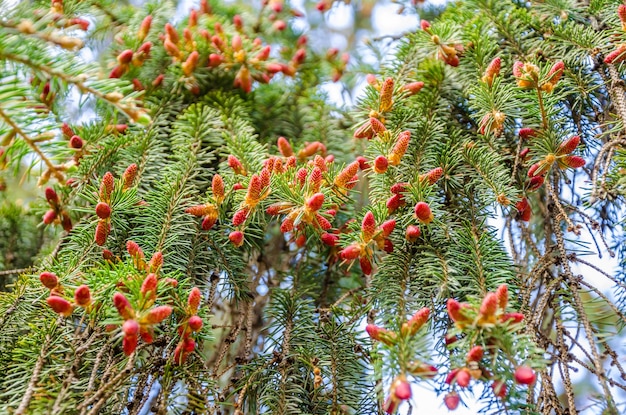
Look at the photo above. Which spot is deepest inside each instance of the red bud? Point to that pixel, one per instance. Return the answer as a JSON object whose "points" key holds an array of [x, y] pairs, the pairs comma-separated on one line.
{"points": [[366, 265], [158, 314], [381, 164], [423, 212], [452, 400], [129, 344], [60, 305], [195, 323], [123, 306], [236, 237], [350, 252], [49, 216], [103, 210], [475, 354], [49, 280], [524, 375], [82, 296], [193, 301], [412, 233], [329, 239]]}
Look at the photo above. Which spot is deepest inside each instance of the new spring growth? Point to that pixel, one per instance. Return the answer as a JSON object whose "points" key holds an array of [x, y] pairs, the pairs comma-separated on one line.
{"points": [[386, 96], [128, 177], [402, 144], [527, 74], [493, 70], [423, 212], [371, 237], [399, 391], [56, 214], [346, 175], [416, 322], [524, 375], [553, 77], [492, 122], [523, 210], [209, 211], [452, 400], [413, 88], [191, 324], [562, 156]]}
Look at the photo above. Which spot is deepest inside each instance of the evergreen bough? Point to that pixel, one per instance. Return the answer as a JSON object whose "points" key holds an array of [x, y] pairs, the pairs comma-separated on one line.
{"points": [[217, 237]]}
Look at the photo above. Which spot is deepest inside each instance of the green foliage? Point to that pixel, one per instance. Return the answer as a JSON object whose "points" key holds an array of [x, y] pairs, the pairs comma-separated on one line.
{"points": [[282, 249]]}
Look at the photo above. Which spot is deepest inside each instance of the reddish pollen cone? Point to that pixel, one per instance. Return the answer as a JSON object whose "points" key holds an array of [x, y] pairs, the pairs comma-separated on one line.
{"points": [[573, 162], [475, 354], [499, 388], [423, 212], [454, 311], [284, 147], [527, 133], [524, 375], [523, 210], [381, 163], [195, 323], [433, 175], [315, 202], [129, 344], [413, 87], [514, 317], [502, 294], [418, 320], [149, 286], [368, 226], [82, 296], [236, 237], [412, 233], [402, 389], [329, 239], [158, 314], [366, 265], [193, 301], [123, 306], [568, 146], [49, 280], [387, 227], [489, 306], [130, 328], [60, 305], [452, 401], [463, 378], [103, 210]]}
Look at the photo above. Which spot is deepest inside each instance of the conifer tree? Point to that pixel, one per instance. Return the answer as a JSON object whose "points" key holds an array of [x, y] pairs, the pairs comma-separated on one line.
{"points": [[210, 234]]}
